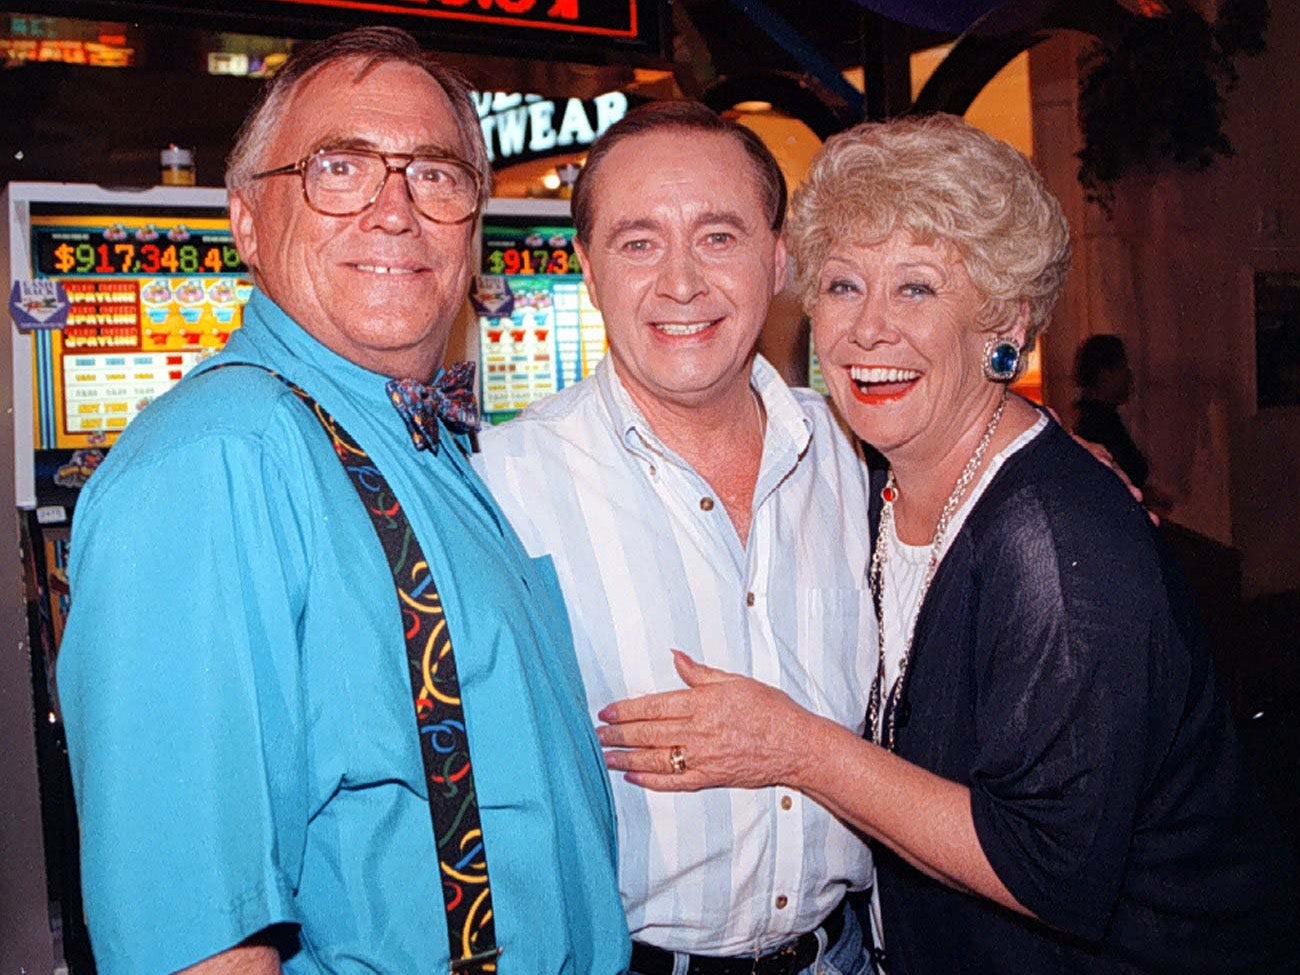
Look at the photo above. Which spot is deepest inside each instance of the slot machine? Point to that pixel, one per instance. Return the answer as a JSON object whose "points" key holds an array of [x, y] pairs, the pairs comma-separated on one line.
{"points": [[536, 329], [113, 296]]}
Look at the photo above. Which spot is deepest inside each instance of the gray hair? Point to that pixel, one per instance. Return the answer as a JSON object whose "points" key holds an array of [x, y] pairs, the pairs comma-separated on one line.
{"points": [[371, 47]]}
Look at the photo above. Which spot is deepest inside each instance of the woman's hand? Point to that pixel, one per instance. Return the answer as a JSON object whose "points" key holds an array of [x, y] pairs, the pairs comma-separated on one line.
{"points": [[731, 730]]}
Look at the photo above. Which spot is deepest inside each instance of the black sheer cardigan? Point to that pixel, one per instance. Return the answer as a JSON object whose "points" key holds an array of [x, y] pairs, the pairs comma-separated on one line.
{"points": [[1058, 672]]}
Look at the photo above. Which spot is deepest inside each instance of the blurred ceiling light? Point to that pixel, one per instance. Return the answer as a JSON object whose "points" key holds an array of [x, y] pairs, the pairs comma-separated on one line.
{"points": [[753, 107], [551, 181]]}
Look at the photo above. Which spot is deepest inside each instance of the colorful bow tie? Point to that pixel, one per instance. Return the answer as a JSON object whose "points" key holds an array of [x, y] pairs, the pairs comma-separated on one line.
{"points": [[449, 397]]}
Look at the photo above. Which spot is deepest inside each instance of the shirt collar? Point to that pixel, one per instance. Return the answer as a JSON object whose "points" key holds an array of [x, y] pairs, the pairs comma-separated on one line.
{"points": [[789, 430], [281, 343], [270, 338]]}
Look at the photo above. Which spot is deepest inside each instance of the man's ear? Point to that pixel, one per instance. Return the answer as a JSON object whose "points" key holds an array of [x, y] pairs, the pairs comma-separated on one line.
{"points": [[780, 267], [587, 275], [243, 228]]}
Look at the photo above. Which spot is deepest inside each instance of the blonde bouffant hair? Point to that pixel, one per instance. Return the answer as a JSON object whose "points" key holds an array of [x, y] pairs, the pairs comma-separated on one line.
{"points": [[945, 182]]}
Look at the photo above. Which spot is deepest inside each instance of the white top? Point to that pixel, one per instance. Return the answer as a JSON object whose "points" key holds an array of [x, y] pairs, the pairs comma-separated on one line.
{"points": [[905, 564], [648, 561]]}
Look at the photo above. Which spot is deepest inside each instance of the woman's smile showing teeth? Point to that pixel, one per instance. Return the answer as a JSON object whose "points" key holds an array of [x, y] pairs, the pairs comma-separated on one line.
{"points": [[881, 384]]}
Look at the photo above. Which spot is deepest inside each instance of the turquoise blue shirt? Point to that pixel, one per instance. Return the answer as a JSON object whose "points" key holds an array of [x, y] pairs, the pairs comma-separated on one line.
{"points": [[238, 712]]}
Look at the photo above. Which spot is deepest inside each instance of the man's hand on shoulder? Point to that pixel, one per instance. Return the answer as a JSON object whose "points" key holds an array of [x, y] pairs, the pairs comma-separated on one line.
{"points": [[1104, 457]]}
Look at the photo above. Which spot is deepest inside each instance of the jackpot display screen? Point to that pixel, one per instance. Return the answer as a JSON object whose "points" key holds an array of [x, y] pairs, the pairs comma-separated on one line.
{"points": [[150, 294], [538, 331]]}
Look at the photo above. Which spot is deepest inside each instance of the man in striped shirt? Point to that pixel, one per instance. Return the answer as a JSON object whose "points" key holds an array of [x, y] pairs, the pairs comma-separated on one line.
{"points": [[692, 501]]}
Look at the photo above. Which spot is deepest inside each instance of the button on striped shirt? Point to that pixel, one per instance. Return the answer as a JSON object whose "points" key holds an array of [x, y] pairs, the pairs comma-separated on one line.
{"points": [[647, 563]]}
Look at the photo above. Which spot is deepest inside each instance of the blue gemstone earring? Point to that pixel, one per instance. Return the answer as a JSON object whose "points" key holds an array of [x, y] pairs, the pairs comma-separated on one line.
{"points": [[1001, 360]]}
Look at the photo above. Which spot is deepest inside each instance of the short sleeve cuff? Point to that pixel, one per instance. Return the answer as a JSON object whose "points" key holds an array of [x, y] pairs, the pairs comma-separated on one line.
{"points": [[1069, 903], [137, 943]]}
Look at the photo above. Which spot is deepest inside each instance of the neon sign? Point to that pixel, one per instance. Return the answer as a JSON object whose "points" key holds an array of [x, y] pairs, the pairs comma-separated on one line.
{"points": [[585, 16], [589, 30], [517, 127]]}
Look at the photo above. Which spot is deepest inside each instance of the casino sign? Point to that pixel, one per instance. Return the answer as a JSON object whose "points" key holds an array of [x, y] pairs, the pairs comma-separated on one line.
{"points": [[518, 127], [600, 31]]}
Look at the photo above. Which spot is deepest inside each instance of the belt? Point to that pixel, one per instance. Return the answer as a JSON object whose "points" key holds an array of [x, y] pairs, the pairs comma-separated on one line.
{"points": [[793, 956]]}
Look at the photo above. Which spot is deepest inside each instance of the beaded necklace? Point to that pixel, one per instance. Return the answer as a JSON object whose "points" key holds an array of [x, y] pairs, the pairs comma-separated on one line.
{"points": [[876, 580]]}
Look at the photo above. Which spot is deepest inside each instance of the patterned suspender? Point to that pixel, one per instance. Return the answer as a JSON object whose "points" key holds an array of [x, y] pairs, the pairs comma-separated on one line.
{"points": [[435, 688]]}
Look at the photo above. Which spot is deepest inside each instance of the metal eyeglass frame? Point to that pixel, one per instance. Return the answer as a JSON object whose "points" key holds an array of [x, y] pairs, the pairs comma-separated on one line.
{"points": [[300, 167]]}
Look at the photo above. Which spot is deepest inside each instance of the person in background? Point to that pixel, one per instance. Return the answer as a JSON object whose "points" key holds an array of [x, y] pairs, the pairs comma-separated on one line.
{"points": [[267, 692], [1050, 776], [1105, 381], [691, 499]]}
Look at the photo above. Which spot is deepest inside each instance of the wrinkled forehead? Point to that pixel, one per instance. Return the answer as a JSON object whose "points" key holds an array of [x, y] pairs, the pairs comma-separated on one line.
{"points": [[392, 105]]}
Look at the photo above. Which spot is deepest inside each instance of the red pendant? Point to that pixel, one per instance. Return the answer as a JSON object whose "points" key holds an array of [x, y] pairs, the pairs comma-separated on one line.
{"points": [[889, 494]]}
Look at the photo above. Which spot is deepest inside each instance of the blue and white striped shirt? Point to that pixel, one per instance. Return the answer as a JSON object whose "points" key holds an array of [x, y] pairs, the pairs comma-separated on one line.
{"points": [[644, 568]]}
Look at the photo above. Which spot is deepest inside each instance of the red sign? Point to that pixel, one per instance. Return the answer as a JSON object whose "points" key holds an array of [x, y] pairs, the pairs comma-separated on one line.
{"points": [[578, 30], [612, 18]]}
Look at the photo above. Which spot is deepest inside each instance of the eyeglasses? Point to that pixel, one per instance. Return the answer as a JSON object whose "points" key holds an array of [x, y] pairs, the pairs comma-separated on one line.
{"points": [[343, 182]]}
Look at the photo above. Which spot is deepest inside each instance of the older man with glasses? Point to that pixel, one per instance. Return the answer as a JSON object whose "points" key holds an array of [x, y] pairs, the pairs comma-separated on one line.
{"points": [[323, 710]]}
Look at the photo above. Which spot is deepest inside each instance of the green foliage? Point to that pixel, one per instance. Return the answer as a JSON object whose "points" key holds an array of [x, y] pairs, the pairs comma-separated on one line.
{"points": [[1153, 100]]}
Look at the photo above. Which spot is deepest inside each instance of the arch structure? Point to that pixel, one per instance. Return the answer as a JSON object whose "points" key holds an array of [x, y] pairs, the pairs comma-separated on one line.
{"points": [[993, 41], [796, 95], [978, 54]]}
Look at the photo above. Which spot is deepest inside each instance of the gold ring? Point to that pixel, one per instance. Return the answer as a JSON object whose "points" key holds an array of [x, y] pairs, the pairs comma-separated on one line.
{"points": [[677, 758]]}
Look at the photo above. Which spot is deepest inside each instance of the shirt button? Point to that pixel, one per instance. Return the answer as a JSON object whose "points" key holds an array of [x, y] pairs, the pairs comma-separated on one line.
{"points": [[786, 802], [652, 470], [781, 901], [706, 504], [749, 599]]}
